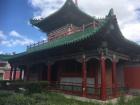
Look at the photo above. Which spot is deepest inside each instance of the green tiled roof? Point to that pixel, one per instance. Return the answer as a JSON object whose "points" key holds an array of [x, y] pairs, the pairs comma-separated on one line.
{"points": [[5, 57], [66, 40]]}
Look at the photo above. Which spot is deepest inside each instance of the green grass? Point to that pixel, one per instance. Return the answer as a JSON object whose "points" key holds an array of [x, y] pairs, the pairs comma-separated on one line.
{"points": [[11, 98], [58, 99], [51, 98]]}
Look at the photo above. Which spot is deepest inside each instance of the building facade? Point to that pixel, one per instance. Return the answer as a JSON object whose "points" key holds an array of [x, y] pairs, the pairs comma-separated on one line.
{"points": [[5, 68], [83, 55]]}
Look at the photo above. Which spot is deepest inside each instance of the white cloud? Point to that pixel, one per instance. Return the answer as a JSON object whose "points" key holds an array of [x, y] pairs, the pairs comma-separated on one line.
{"points": [[15, 39], [132, 30], [2, 36], [14, 34], [1, 52], [43, 38], [124, 10], [45, 7], [17, 42]]}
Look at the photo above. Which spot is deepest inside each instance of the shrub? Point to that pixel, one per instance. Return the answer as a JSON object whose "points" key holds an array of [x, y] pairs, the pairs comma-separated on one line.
{"points": [[121, 100], [33, 88], [5, 93], [134, 101], [11, 98], [39, 98], [17, 99]]}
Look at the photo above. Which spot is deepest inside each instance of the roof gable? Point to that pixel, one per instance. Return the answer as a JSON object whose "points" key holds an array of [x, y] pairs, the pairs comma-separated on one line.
{"points": [[68, 14]]}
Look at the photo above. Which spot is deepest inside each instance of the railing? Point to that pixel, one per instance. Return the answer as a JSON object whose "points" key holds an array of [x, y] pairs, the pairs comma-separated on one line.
{"points": [[92, 91], [37, 44], [56, 34], [63, 31], [66, 87]]}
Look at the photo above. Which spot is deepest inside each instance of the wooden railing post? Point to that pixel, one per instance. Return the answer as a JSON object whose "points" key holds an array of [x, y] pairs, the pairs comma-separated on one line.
{"points": [[103, 77], [27, 72], [114, 78], [49, 73], [84, 77], [96, 82]]}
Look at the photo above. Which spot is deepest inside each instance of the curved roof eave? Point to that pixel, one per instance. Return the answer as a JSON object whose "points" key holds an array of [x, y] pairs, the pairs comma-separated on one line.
{"points": [[67, 10]]}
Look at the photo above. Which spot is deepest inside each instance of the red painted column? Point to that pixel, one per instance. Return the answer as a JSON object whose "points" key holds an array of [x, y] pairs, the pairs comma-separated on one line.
{"points": [[114, 78], [103, 78], [84, 77], [49, 73], [11, 72]]}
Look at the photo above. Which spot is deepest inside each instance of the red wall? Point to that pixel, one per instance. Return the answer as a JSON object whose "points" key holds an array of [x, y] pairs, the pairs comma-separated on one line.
{"points": [[7, 75], [132, 77]]}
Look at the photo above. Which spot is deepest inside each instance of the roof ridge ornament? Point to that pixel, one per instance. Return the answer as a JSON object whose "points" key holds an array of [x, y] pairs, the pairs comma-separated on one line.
{"points": [[76, 2], [111, 12], [72, 2]]}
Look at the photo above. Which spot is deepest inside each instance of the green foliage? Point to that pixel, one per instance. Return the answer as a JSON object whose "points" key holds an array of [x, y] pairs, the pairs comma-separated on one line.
{"points": [[51, 98], [21, 99], [121, 100], [33, 88], [134, 101], [58, 99], [5, 93], [3, 83], [17, 99], [39, 98]]}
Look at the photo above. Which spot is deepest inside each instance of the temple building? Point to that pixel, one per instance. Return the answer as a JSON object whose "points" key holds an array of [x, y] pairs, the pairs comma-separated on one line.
{"points": [[83, 55]]}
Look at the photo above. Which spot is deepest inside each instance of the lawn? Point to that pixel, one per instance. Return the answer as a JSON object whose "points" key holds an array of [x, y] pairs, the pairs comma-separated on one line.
{"points": [[50, 98]]}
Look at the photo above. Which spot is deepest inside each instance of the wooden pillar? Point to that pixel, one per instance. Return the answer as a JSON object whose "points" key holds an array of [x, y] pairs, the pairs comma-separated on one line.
{"points": [[49, 73], [14, 73], [27, 74], [114, 78], [23, 73], [11, 72], [20, 76], [96, 81], [40, 72], [103, 78], [84, 77], [59, 71]]}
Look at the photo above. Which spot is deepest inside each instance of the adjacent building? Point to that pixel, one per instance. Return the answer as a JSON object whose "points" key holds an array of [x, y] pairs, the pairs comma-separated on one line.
{"points": [[5, 68]]}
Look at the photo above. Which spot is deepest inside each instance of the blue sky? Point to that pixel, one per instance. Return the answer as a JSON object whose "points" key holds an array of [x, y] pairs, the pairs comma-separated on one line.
{"points": [[16, 32]]}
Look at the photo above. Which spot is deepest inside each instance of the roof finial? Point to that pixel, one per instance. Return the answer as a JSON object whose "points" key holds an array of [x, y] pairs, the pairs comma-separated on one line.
{"points": [[111, 12], [76, 2]]}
